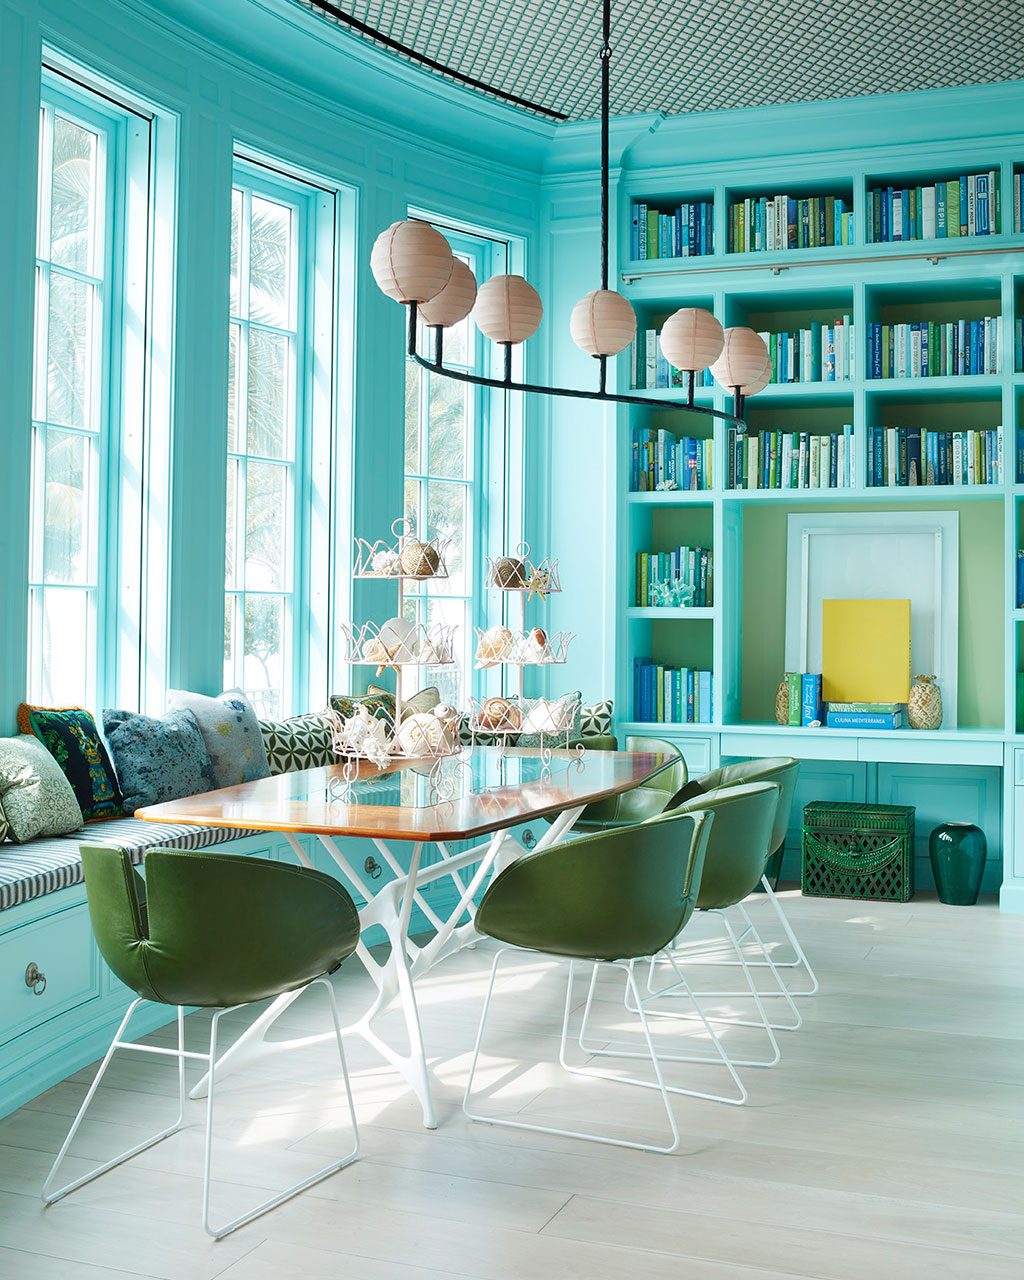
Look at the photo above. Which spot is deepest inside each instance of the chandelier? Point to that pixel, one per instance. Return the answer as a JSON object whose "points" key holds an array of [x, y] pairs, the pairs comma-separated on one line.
{"points": [[413, 263]]}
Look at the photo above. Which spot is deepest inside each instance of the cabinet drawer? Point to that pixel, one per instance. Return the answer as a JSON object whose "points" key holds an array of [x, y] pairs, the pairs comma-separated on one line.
{"points": [[63, 949], [696, 753]]}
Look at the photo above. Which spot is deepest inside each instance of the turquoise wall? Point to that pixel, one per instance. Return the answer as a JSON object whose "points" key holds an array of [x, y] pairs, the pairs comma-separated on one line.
{"points": [[273, 78]]}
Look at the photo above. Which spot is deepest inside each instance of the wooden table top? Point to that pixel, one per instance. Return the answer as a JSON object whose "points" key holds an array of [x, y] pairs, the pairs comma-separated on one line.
{"points": [[475, 793]]}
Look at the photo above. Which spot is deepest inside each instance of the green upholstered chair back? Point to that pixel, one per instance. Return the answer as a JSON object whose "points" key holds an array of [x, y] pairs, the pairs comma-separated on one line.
{"points": [[782, 770], [740, 840], [215, 929], [612, 896], [670, 779], [646, 801]]}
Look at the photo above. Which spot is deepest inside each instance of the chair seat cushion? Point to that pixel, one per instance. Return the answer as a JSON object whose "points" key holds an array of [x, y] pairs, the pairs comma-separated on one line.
{"points": [[45, 865]]}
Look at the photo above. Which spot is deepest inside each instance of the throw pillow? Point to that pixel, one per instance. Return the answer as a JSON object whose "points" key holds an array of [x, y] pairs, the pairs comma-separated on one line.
{"points": [[426, 700], [300, 742], [596, 719], [231, 733], [71, 737], [381, 705], [158, 759], [37, 799]]}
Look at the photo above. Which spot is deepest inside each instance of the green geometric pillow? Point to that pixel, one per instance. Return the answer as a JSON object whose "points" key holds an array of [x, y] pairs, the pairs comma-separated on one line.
{"points": [[300, 742], [596, 720], [380, 705], [71, 737]]}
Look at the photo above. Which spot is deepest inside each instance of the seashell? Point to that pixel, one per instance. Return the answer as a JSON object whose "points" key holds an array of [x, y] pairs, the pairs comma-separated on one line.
{"points": [[536, 647], [419, 734], [420, 559], [386, 563], [509, 573], [434, 653], [499, 713], [398, 635], [546, 717], [375, 650], [493, 646]]}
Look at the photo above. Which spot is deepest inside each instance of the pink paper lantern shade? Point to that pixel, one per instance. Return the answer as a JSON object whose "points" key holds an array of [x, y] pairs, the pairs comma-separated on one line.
{"points": [[508, 309], [760, 382], [411, 261], [454, 302], [603, 323], [691, 339], [742, 360]]}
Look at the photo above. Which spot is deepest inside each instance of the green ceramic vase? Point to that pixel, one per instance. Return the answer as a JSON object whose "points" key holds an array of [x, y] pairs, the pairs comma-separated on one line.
{"points": [[957, 851]]}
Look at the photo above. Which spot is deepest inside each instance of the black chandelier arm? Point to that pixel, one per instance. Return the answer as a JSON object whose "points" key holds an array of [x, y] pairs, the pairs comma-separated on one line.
{"points": [[606, 58], [506, 383]]}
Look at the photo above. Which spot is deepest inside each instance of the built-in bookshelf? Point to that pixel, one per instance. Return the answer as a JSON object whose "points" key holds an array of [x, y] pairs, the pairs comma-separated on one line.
{"points": [[924, 407]]}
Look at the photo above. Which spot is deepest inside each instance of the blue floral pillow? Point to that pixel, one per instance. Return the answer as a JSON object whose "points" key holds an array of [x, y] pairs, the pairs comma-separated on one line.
{"points": [[231, 732], [158, 760]]}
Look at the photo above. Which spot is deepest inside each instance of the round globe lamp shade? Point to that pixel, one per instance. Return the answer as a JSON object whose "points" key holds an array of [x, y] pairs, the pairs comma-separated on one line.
{"points": [[508, 309], [603, 323], [742, 361], [691, 339], [411, 262], [454, 302], [759, 383]]}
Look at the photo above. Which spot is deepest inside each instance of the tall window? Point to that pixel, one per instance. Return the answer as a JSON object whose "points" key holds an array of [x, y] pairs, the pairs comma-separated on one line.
{"points": [[454, 457], [280, 385], [73, 388]]}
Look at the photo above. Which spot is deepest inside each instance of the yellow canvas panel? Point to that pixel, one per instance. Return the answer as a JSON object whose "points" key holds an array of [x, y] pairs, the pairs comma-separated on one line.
{"points": [[865, 650]]}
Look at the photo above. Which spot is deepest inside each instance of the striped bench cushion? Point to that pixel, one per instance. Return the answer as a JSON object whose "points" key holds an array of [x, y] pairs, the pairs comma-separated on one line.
{"points": [[42, 866]]}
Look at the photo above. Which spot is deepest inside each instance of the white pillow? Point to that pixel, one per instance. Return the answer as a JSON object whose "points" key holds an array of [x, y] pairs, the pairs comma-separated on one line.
{"points": [[231, 732]]}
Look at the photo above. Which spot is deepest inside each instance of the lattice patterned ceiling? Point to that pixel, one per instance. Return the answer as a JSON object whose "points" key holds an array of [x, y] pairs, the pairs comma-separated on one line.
{"points": [[706, 55]]}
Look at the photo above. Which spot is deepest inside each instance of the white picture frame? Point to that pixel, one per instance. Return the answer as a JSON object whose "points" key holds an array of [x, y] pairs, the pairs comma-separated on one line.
{"points": [[885, 555]]}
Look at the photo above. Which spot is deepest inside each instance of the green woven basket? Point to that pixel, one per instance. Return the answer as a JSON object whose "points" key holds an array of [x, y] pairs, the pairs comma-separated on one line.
{"points": [[858, 851]]}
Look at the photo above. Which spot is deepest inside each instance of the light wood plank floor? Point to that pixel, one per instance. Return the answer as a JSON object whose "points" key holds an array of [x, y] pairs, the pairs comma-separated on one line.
{"points": [[888, 1143]]}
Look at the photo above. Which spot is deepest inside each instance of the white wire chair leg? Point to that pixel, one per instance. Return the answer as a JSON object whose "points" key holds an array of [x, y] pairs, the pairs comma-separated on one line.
{"points": [[782, 992], [266, 1205], [722, 1057], [801, 960], [50, 1197], [658, 1082]]}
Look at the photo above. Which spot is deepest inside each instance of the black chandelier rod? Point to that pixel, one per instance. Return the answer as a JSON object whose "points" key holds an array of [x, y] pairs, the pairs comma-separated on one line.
{"points": [[507, 383], [364, 29]]}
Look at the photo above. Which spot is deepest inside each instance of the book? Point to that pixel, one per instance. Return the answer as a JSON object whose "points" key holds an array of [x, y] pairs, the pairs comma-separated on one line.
{"points": [[795, 682], [864, 720], [875, 708], [812, 710]]}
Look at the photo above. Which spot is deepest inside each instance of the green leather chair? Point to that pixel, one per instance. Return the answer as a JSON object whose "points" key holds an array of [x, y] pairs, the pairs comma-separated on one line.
{"points": [[783, 771], [643, 802], [217, 931], [605, 900]]}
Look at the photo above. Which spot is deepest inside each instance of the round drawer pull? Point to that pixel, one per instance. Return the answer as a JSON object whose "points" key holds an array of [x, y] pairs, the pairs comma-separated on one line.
{"points": [[372, 868], [35, 979]]}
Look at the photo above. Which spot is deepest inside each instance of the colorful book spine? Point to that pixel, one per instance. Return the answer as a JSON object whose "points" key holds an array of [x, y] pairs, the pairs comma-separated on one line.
{"points": [[685, 573], [661, 458], [871, 708], [652, 372], [918, 455], [933, 349], [790, 459], [812, 710], [795, 681], [821, 353], [769, 223], [967, 205], [863, 720], [671, 695], [685, 231]]}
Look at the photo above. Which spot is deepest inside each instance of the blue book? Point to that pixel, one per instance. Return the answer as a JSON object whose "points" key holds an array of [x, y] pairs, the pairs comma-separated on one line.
{"points": [[981, 215], [704, 697], [689, 696], [812, 708], [940, 209], [864, 720]]}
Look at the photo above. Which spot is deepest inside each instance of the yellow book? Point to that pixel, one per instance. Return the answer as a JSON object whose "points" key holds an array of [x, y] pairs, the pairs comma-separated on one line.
{"points": [[865, 650]]}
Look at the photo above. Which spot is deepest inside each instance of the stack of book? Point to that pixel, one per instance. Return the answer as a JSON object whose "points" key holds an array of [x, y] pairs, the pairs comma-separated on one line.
{"points": [[866, 715], [765, 223], [964, 206], [688, 566], [928, 349], [662, 457], [822, 353], [652, 372], [917, 455], [791, 460], [805, 706], [683, 232], [676, 695]]}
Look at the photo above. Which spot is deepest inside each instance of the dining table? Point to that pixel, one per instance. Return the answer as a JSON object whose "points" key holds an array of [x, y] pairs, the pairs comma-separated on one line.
{"points": [[479, 795]]}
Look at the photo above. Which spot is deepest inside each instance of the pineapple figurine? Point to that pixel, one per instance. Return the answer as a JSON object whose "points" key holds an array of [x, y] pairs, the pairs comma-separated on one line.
{"points": [[924, 707], [782, 701]]}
